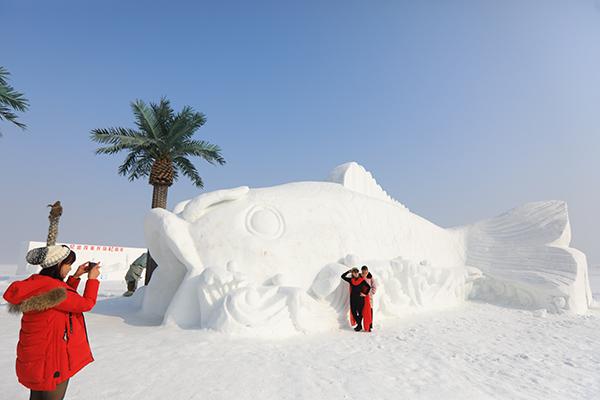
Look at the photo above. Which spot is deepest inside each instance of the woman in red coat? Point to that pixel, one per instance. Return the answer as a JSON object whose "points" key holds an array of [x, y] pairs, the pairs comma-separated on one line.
{"points": [[53, 344]]}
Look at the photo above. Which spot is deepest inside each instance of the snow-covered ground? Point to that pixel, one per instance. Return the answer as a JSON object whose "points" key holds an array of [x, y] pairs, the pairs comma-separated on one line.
{"points": [[473, 351], [7, 269], [594, 274]]}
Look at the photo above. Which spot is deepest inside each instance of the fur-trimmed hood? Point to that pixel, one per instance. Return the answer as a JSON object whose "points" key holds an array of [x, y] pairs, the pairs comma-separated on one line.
{"points": [[34, 294]]}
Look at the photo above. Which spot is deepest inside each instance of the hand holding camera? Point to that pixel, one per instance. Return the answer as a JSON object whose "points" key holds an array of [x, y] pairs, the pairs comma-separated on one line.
{"points": [[93, 269], [90, 265]]}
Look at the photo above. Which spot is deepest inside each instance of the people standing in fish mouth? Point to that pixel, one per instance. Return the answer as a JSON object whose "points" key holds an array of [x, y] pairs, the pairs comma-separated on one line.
{"points": [[368, 310], [359, 291]]}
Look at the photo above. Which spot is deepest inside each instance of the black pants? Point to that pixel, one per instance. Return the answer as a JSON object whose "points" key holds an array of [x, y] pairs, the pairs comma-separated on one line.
{"points": [[356, 308], [56, 394]]}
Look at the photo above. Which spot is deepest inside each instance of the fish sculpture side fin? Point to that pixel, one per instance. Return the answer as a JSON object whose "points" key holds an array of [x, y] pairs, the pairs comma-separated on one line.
{"points": [[355, 177], [526, 260], [195, 208], [180, 206]]}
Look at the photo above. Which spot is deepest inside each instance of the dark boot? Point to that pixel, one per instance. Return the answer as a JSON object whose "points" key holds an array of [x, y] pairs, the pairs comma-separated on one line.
{"points": [[358, 328], [131, 286]]}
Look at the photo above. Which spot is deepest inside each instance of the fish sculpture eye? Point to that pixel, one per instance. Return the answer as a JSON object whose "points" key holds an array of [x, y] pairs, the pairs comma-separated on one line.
{"points": [[265, 222]]}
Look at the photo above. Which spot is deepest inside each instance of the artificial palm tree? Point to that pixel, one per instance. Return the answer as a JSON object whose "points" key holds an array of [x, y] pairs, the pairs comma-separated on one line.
{"points": [[10, 100], [160, 147], [56, 211]]}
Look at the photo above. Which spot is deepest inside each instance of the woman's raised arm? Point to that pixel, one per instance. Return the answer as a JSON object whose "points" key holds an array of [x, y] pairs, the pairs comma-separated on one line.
{"points": [[76, 303]]}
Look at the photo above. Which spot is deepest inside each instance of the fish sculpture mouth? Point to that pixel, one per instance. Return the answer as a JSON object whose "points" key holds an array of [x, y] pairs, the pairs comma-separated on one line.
{"points": [[171, 247], [270, 259]]}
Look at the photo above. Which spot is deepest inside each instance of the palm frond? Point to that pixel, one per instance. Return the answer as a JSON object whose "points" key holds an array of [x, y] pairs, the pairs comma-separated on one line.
{"points": [[163, 114], [11, 100], [189, 170], [116, 135], [119, 139], [185, 124], [8, 115], [3, 75], [129, 162], [145, 119], [201, 148], [10, 97], [141, 167]]}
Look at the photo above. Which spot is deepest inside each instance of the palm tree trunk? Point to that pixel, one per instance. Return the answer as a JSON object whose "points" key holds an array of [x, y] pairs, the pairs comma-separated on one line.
{"points": [[159, 196], [159, 200], [52, 230], [56, 211]]}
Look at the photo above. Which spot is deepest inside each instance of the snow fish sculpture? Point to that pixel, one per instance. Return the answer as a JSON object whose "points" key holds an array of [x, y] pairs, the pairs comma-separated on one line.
{"points": [[270, 258]]}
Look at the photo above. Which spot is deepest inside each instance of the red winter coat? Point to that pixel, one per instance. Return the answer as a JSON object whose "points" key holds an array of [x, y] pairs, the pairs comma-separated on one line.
{"points": [[53, 344]]}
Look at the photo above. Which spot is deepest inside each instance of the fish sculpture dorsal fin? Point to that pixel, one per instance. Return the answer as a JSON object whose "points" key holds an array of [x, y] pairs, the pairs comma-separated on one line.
{"points": [[355, 177]]}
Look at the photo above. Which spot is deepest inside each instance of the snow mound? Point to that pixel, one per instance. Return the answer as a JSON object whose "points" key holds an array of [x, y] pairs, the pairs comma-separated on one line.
{"points": [[248, 260]]}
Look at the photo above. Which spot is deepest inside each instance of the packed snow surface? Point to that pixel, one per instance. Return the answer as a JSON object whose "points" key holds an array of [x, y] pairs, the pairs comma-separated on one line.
{"points": [[7, 269], [471, 351], [268, 260]]}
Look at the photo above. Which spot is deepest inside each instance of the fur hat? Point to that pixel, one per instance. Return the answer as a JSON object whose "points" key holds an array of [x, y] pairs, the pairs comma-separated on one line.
{"points": [[47, 256]]}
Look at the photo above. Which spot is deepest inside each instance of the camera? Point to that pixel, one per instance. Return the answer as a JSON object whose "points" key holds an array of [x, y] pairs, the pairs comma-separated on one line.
{"points": [[91, 265]]}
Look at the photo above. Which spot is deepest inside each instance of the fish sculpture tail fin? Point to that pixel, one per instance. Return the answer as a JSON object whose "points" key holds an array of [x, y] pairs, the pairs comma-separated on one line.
{"points": [[526, 259]]}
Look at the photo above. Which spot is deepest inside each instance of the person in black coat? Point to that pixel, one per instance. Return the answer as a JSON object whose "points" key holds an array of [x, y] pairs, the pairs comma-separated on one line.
{"points": [[359, 289]]}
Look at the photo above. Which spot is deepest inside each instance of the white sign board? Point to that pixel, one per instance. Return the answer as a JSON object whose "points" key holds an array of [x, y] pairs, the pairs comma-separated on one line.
{"points": [[114, 260]]}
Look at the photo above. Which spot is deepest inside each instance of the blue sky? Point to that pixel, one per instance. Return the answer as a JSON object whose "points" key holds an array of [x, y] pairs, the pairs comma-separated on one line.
{"points": [[461, 109]]}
